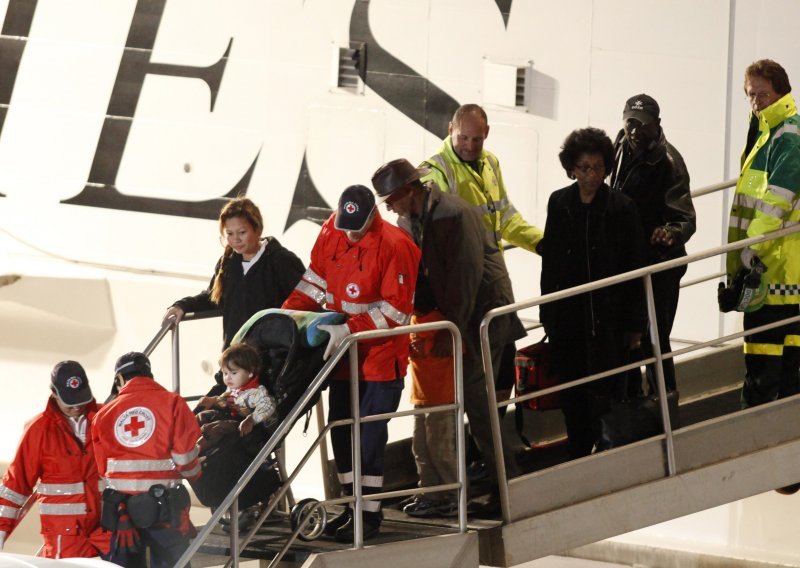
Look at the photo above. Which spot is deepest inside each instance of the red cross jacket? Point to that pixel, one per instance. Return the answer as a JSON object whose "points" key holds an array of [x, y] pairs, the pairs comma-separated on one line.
{"points": [[372, 281], [145, 436], [68, 484]]}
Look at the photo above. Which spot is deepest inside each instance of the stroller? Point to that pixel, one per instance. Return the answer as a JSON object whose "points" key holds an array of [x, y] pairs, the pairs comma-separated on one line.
{"points": [[291, 349]]}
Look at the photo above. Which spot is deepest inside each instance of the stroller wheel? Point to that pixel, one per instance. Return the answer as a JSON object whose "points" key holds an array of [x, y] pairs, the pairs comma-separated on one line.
{"points": [[317, 519]]}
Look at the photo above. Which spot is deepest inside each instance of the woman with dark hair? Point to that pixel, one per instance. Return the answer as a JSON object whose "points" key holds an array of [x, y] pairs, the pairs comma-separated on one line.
{"points": [[253, 274], [591, 233]]}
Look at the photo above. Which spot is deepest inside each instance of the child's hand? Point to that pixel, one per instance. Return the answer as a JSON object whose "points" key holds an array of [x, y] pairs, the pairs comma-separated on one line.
{"points": [[246, 426], [207, 402]]}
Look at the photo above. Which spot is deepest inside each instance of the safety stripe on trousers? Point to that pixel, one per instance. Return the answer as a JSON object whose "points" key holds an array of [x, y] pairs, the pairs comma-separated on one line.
{"points": [[771, 349]]}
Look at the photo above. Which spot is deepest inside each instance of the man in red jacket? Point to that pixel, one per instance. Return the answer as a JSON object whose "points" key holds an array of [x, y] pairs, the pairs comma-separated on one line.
{"points": [[144, 446], [56, 452], [366, 268]]}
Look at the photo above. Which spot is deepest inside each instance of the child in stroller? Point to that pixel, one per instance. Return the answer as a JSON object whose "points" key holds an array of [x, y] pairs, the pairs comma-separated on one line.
{"points": [[289, 348], [235, 426], [244, 404]]}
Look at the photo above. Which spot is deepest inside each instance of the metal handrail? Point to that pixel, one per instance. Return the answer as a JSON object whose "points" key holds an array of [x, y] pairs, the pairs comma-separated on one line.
{"points": [[714, 187], [350, 344], [645, 273]]}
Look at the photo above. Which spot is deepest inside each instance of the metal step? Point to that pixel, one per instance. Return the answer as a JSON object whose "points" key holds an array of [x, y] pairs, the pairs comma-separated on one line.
{"points": [[611, 493]]}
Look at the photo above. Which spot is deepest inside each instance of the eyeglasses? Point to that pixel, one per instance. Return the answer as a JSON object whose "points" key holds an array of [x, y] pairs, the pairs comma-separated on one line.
{"points": [[758, 96], [586, 168]]}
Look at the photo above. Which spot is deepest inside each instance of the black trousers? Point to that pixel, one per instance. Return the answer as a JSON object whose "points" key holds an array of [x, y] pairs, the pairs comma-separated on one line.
{"points": [[772, 357], [666, 289]]}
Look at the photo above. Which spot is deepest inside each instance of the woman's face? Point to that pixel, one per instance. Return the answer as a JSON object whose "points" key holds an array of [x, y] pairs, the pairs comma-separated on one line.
{"points": [[589, 171], [241, 236], [235, 377]]}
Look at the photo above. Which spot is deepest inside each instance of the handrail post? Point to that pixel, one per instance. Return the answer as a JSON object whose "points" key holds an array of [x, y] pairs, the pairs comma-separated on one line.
{"points": [[319, 410], [659, 367], [461, 452], [494, 421], [176, 359], [355, 409]]}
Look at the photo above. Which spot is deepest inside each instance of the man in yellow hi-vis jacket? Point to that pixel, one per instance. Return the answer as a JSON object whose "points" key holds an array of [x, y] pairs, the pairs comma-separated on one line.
{"points": [[766, 200], [464, 168]]}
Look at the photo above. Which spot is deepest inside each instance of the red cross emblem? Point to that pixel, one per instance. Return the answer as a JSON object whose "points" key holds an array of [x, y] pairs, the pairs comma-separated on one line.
{"points": [[350, 207], [352, 290], [134, 426]]}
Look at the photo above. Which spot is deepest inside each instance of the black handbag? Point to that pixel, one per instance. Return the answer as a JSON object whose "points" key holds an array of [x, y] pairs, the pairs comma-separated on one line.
{"points": [[634, 418]]}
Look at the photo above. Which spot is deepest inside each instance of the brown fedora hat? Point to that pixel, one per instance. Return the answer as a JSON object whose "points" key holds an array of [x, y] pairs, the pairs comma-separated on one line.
{"points": [[394, 175]]}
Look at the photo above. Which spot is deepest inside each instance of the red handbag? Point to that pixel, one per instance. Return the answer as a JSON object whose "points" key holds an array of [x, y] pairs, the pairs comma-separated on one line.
{"points": [[534, 372]]}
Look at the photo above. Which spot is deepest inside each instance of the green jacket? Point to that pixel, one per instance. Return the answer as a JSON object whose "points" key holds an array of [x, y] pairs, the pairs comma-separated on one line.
{"points": [[766, 199], [486, 191]]}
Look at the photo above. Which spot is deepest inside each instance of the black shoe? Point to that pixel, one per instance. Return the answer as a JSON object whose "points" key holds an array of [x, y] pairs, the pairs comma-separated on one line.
{"points": [[476, 471], [338, 522], [789, 489], [491, 509], [371, 527]]}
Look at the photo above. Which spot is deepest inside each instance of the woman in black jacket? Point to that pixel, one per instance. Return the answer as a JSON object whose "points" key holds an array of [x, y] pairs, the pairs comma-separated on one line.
{"points": [[591, 233], [254, 272]]}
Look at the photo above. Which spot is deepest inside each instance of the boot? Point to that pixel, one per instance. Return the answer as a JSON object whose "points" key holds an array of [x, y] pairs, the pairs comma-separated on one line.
{"points": [[371, 526], [338, 522]]}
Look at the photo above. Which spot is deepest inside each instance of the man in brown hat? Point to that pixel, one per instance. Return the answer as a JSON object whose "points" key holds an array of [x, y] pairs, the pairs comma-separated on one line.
{"points": [[462, 275]]}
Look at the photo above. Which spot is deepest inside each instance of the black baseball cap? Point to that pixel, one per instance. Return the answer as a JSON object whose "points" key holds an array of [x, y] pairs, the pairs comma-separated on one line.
{"points": [[355, 206], [643, 108], [69, 383], [133, 364]]}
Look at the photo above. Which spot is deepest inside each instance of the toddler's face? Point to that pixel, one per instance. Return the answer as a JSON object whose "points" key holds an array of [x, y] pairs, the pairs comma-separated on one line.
{"points": [[235, 377]]}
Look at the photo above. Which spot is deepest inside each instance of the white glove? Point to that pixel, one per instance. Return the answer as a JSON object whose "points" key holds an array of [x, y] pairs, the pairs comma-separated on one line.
{"points": [[3, 535], [337, 333], [747, 257]]}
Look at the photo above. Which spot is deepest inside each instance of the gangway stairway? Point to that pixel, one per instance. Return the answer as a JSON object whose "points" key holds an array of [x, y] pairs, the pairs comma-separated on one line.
{"points": [[729, 457]]}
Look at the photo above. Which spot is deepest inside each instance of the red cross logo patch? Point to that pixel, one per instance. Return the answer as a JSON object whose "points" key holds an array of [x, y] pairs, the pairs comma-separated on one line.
{"points": [[352, 290], [135, 426], [350, 208], [74, 383]]}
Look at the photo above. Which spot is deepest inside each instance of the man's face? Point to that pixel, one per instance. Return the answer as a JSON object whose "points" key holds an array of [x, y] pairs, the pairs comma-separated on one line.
{"points": [[640, 135], [71, 411], [759, 93], [356, 236], [468, 137], [401, 202]]}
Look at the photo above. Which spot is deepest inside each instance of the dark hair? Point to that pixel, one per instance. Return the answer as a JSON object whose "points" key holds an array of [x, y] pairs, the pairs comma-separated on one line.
{"points": [[466, 109], [771, 71], [245, 209], [586, 141], [243, 355]]}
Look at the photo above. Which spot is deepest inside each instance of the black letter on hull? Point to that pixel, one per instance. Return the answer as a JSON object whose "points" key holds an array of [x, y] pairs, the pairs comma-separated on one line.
{"points": [[100, 190]]}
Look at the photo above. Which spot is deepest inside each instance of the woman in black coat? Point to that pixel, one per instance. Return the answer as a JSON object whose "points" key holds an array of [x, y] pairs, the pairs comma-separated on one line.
{"points": [[254, 273], [591, 233]]}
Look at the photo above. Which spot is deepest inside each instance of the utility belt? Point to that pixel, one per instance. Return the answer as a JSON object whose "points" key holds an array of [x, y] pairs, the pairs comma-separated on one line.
{"points": [[159, 505]]}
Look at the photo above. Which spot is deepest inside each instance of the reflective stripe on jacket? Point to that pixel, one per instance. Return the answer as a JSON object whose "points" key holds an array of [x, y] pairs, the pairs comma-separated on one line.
{"points": [[68, 483], [766, 200], [486, 191], [146, 436], [372, 281]]}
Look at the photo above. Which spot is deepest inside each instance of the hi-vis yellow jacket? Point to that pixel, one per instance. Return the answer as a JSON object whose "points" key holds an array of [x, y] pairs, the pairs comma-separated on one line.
{"points": [[766, 199], [486, 191]]}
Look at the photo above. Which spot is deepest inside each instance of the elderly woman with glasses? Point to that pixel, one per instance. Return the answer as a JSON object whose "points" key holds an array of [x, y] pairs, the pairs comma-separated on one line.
{"points": [[591, 233]]}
